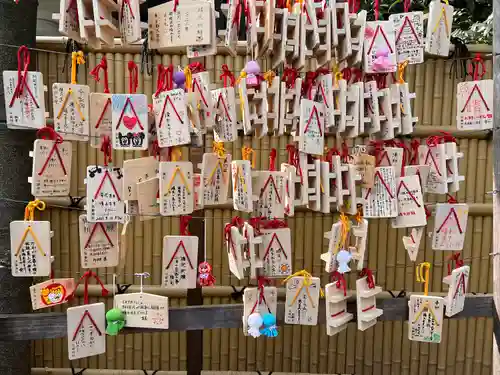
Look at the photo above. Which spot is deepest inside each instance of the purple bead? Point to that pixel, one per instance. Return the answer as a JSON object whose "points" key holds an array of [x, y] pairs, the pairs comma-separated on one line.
{"points": [[252, 67], [179, 78]]}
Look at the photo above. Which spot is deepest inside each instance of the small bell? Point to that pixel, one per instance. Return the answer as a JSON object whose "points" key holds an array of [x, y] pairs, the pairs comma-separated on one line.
{"points": [[270, 329], [254, 323], [115, 319]]}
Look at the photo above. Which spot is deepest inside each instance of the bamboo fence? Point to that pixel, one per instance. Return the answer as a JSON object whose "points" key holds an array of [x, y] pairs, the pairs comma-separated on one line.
{"points": [[384, 349]]}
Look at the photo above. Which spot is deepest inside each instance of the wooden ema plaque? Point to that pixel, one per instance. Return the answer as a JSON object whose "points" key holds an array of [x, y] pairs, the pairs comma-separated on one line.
{"points": [[241, 175], [180, 259], [425, 322], [379, 39], [100, 118], [26, 111], [381, 200], [86, 330], [366, 303], [51, 168], [475, 105], [171, 118], [302, 300], [51, 292], [71, 110], [275, 251], [311, 127], [136, 171], [409, 29], [215, 172], [259, 301], [105, 193], [411, 210], [225, 121], [458, 282], [450, 225], [176, 188], [439, 24], [130, 122], [337, 316], [143, 310], [99, 247], [30, 248], [270, 187]]}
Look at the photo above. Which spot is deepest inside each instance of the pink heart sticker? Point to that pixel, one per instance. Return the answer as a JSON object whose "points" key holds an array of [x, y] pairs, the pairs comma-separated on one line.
{"points": [[129, 122]]}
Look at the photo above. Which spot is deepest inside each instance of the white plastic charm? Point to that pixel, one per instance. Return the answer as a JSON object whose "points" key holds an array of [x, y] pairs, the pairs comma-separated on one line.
{"points": [[99, 246], [409, 36], [458, 282], [450, 225], [380, 47], [171, 118], [439, 24], [30, 248], [275, 251], [302, 300], [475, 105], [381, 199], [51, 292], [180, 259], [337, 316], [105, 194], [366, 301], [86, 330], [261, 300], [130, 121], [51, 168], [176, 188], [71, 110]]}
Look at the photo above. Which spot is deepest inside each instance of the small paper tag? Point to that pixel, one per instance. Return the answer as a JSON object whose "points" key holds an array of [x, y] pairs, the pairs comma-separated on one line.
{"points": [[86, 330], [425, 322], [51, 293], [302, 300], [365, 167], [143, 310], [180, 259], [98, 244], [30, 248]]}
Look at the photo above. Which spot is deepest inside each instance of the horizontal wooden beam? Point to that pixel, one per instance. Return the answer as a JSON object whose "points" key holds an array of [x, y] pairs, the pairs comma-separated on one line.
{"points": [[475, 209], [35, 326]]}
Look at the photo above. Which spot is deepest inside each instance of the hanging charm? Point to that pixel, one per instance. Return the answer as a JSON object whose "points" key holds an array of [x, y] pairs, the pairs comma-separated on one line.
{"points": [[86, 330], [366, 300], [51, 165], [302, 299], [256, 303], [336, 297], [439, 25], [24, 95], [30, 244], [143, 310], [105, 192], [99, 245], [205, 277], [425, 321], [71, 105], [450, 225], [51, 292], [115, 321]]}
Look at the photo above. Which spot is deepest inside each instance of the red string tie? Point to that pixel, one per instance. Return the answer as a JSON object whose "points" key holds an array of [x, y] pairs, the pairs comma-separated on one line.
{"points": [[23, 62], [103, 64], [369, 277], [272, 159], [106, 150], [289, 76], [134, 77], [227, 74], [184, 225], [85, 278]]}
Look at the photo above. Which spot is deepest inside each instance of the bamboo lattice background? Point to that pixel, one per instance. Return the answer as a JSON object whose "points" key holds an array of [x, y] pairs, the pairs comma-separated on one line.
{"points": [[384, 349]]}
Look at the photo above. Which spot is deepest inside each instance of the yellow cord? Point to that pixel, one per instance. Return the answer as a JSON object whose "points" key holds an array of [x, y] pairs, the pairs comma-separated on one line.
{"points": [[248, 153], [443, 14], [77, 58], [176, 154], [424, 277], [65, 102], [401, 71], [305, 284], [29, 211], [189, 78], [171, 182], [218, 148], [269, 77]]}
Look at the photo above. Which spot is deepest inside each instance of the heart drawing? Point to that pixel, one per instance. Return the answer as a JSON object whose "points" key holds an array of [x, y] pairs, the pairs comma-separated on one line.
{"points": [[129, 122]]}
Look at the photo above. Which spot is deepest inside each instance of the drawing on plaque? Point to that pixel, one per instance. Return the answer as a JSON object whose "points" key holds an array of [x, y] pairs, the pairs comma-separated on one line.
{"points": [[381, 200], [176, 188], [30, 248], [475, 105], [439, 24], [380, 47], [71, 110], [224, 115], [135, 171], [425, 322], [105, 194], [171, 117], [241, 174], [311, 127], [24, 95], [276, 252], [215, 171], [180, 258], [100, 118], [98, 244], [409, 29], [458, 281], [411, 210], [86, 330], [130, 21], [261, 300], [270, 187], [143, 310], [130, 121], [450, 224], [51, 292], [302, 300], [51, 168]]}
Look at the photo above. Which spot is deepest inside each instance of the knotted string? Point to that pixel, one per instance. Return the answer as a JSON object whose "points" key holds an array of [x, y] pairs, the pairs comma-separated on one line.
{"points": [[454, 258], [477, 69], [85, 277], [133, 81], [23, 62], [369, 277], [103, 64], [248, 153], [29, 211], [77, 58], [339, 280], [272, 160], [184, 225], [106, 150], [289, 77], [227, 74]]}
